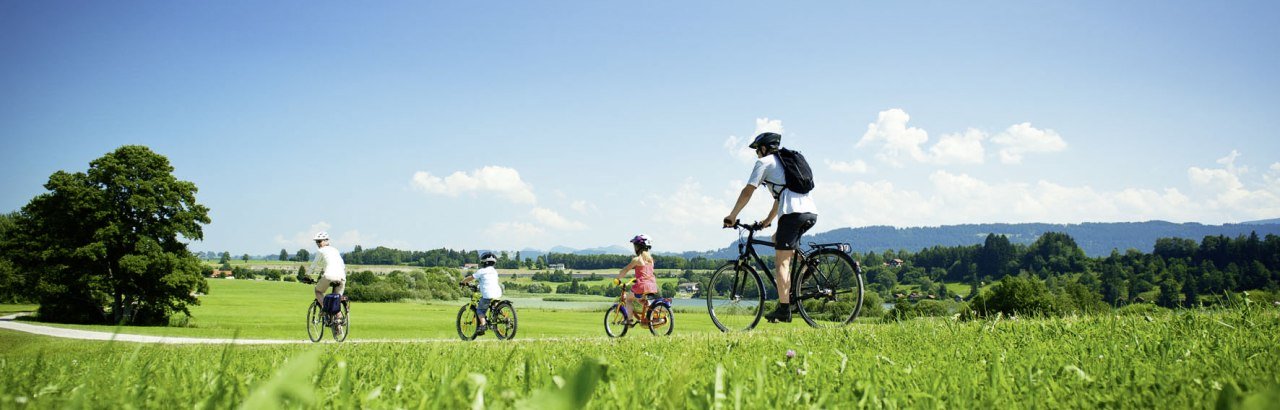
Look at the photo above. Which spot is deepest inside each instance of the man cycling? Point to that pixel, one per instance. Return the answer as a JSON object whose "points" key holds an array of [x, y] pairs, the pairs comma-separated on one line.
{"points": [[329, 268], [798, 214]]}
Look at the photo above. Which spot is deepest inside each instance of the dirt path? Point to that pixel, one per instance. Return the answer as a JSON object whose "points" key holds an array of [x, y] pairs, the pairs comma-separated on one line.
{"points": [[8, 322]]}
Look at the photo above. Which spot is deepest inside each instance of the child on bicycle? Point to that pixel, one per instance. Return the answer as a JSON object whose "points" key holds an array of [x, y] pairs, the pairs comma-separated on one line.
{"points": [[486, 279], [646, 283]]}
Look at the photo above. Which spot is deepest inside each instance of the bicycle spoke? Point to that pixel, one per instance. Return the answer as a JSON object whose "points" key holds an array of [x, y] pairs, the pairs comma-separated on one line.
{"points": [[830, 289]]}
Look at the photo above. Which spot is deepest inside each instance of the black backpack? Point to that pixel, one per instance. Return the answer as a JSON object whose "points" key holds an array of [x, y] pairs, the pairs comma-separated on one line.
{"points": [[796, 170]]}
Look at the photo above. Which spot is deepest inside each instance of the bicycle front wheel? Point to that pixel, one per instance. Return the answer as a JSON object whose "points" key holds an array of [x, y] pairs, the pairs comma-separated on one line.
{"points": [[342, 325], [467, 322], [315, 322], [735, 297], [661, 321], [503, 320], [615, 321], [830, 291]]}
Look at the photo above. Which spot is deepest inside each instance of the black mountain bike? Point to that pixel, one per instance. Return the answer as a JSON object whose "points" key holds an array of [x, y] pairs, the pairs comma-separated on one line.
{"points": [[827, 294], [501, 317], [318, 319]]}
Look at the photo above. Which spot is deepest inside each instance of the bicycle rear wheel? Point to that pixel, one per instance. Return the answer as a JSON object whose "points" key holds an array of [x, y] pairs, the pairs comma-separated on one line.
{"points": [[503, 320], [661, 321], [615, 321], [735, 297], [315, 322], [830, 290], [467, 322], [342, 326]]}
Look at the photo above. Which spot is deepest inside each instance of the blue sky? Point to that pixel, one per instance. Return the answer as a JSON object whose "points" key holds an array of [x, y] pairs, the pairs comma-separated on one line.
{"points": [[509, 126]]}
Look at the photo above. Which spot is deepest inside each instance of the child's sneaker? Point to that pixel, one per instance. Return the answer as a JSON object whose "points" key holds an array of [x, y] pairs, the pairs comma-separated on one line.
{"points": [[481, 329]]}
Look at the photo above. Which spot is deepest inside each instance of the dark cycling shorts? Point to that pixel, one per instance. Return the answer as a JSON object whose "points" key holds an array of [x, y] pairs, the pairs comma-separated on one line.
{"points": [[790, 227]]}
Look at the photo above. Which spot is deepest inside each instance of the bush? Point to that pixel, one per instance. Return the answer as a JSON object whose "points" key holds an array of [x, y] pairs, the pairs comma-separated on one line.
{"points": [[1016, 295], [872, 305], [924, 308]]}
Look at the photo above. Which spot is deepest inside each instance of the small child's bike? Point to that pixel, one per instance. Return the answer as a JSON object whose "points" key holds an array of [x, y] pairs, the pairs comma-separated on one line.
{"points": [[656, 315], [501, 317]]}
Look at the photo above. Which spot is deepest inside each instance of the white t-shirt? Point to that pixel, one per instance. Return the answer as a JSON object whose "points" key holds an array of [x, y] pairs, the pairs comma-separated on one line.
{"points": [[769, 172], [487, 281], [328, 262]]}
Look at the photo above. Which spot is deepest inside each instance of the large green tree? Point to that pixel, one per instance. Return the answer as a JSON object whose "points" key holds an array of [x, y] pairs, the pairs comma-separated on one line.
{"points": [[106, 245], [12, 287]]}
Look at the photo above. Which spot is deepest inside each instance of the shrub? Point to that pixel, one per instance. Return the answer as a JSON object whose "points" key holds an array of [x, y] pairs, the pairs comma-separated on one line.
{"points": [[1016, 295], [924, 308]]}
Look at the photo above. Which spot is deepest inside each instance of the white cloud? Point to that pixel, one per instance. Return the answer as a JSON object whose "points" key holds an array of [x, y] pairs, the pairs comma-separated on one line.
{"points": [[1022, 139], [345, 240], [738, 146], [685, 216], [513, 235], [1227, 195], [965, 148], [856, 167], [503, 181], [897, 141], [764, 125], [582, 206], [553, 220]]}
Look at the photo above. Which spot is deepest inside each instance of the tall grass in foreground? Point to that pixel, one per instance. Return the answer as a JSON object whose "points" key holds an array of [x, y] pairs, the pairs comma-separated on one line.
{"points": [[1173, 360]]}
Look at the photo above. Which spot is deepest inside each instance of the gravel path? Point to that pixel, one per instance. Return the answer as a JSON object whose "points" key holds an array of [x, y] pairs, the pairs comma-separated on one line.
{"points": [[8, 322]]}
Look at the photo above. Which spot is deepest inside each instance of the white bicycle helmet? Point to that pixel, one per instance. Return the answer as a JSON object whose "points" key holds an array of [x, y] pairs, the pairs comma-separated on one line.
{"points": [[321, 236]]}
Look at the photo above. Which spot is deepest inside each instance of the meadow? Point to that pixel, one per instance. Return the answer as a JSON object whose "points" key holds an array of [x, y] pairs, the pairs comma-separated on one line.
{"points": [[253, 309], [1223, 358]]}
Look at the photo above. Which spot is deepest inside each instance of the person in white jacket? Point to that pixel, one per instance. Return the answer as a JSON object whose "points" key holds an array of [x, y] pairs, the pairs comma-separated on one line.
{"points": [[329, 268]]}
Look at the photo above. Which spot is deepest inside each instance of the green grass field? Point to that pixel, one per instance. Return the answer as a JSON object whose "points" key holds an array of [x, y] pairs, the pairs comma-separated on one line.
{"points": [[277, 310], [1223, 359]]}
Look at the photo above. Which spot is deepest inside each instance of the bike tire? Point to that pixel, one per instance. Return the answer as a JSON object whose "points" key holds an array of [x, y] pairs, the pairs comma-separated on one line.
{"points": [[735, 297], [661, 320], [615, 321], [467, 322], [315, 322], [343, 327], [504, 320], [830, 290]]}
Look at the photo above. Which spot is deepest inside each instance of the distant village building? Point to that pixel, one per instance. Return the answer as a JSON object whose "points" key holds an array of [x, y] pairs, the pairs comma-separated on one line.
{"points": [[687, 287], [895, 263], [218, 273], [470, 266], [555, 266]]}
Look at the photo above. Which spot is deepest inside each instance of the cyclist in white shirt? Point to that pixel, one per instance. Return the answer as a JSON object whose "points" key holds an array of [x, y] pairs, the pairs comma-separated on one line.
{"points": [[486, 279], [329, 268], [798, 214]]}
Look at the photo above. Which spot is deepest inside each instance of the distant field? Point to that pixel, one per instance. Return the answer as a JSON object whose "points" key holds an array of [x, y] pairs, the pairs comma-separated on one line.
{"points": [[276, 310]]}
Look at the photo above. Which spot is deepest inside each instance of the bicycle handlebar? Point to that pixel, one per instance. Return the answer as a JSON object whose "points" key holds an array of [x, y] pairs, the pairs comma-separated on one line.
{"points": [[737, 224]]}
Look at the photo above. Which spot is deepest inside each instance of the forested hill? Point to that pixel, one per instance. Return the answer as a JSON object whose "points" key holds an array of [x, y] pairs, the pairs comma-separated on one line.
{"points": [[1097, 239]]}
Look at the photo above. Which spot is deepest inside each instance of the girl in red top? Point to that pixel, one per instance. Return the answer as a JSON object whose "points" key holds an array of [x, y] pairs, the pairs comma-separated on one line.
{"points": [[646, 283]]}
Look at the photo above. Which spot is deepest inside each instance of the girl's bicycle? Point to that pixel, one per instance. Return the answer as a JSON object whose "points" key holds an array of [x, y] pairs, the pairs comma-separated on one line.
{"points": [[656, 315], [828, 293], [501, 317], [319, 318]]}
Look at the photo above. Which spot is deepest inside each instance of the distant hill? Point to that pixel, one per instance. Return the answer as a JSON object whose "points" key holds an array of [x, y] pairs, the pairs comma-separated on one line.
{"points": [[1097, 239]]}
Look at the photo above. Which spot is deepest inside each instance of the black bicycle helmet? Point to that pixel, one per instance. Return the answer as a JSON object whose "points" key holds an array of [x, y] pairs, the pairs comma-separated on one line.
{"points": [[767, 139], [488, 259]]}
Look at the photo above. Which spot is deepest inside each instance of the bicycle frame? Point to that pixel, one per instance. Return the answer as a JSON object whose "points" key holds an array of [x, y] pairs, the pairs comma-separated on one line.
{"points": [[746, 249]]}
